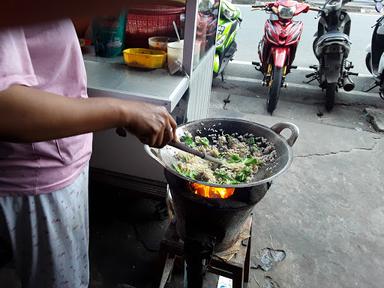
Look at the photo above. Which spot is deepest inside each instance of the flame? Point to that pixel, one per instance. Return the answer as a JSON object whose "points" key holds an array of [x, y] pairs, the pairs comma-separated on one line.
{"points": [[212, 192]]}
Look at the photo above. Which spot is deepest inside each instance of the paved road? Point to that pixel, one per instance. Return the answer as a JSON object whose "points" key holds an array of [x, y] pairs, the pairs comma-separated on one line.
{"points": [[252, 29], [327, 211], [353, 6]]}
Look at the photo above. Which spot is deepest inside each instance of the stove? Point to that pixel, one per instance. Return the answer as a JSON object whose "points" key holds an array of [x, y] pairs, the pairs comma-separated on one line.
{"points": [[209, 220]]}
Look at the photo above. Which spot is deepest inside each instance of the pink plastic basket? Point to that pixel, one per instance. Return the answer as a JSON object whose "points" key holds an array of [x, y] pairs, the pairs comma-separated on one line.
{"points": [[144, 22]]}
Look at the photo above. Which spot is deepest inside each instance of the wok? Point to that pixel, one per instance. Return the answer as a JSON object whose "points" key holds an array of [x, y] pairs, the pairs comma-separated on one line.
{"points": [[204, 128]]}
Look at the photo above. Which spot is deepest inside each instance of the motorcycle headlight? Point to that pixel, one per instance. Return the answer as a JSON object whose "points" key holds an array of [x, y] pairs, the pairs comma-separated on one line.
{"points": [[286, 12]]}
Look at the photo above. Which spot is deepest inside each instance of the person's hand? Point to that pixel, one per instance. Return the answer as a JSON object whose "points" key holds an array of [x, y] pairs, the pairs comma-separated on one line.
{"points": [[151, 124]]}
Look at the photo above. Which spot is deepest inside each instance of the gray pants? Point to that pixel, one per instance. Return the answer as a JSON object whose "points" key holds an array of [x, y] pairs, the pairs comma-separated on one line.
{"points": [[46, 236]]}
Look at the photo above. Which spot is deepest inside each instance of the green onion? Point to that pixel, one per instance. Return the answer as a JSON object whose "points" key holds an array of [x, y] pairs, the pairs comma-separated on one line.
{"points": [[251, 161], [234, 158], [188, 140], [251, 141], [202, 141]]}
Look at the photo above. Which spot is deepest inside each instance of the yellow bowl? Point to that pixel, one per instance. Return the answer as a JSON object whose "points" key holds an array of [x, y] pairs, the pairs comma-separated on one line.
{"points": [[144, 58]]}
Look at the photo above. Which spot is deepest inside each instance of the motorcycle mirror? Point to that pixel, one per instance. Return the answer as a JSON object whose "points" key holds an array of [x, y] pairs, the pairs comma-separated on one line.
{"points": [[379, 7]]}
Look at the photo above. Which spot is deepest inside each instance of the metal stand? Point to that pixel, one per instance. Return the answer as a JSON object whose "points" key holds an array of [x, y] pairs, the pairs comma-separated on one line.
{"points": [[236, 269]]}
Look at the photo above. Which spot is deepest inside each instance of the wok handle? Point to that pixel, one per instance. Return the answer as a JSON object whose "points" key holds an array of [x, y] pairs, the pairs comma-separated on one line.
{"points": [[286, 125], [154, 154]]}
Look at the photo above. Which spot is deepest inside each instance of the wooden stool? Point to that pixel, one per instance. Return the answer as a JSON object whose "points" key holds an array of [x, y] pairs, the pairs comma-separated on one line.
{"points": [[236, 269]]}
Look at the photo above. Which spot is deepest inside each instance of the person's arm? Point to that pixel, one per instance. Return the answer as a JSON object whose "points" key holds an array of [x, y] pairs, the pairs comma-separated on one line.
{"points": [[31, 115], [24, 12]]}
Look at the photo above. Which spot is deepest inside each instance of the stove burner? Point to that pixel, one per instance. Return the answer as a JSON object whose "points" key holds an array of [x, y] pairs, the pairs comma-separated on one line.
{"points": [[209, 225], [211, 192]]}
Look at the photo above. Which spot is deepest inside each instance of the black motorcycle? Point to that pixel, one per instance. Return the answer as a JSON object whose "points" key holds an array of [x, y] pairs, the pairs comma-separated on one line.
{"points": [[375, 52], [331, 47]]}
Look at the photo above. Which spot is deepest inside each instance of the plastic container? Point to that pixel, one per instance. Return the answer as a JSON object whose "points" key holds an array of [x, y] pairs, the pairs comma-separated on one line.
{"points": [[224, 282], [160, 42], [108, 35], [175, 56], [145, 21], [144, 58]]}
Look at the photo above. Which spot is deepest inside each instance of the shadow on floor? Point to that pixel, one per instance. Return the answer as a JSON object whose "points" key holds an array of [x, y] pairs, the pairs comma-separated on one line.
{"points": [[125, 234]]}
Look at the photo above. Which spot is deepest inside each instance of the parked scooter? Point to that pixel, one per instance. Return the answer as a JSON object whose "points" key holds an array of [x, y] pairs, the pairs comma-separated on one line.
{"points": [[278, 47], [331, 47], [375, 52], [226, 46]]}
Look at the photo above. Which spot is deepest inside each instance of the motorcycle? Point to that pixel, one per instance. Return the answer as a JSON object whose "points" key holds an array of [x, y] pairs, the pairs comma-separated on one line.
{"points": [[278, 47], [331, 47], [229, 22], [375, 52]]}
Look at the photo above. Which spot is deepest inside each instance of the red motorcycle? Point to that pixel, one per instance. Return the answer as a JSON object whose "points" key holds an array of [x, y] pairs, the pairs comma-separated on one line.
{"points": [[277, 49]]}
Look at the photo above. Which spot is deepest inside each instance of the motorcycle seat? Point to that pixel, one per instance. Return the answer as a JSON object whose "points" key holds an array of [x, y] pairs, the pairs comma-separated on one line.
{"points": [[332, 37]]}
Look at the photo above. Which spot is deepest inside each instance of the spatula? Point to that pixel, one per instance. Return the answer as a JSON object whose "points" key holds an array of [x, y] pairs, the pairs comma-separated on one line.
{"points": [[181, 146], [185, 148]]}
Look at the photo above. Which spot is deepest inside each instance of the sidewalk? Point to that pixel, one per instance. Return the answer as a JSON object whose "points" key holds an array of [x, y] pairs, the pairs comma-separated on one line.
{"points": [[327, 212]]}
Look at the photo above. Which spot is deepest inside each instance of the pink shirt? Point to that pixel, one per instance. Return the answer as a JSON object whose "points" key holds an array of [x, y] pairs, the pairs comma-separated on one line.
{"points": [[46, 57]]}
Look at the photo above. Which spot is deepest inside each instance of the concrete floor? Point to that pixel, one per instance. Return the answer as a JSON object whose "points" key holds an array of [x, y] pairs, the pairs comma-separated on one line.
{"points": [[327, 211]]}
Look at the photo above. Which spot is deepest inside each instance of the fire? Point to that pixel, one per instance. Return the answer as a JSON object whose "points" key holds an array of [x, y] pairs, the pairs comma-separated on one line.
{"points": [[212, 192]]}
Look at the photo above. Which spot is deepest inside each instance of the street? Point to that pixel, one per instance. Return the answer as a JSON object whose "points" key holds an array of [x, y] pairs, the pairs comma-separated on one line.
{"points": [[251, 32], [243, 73], [327, 212]]}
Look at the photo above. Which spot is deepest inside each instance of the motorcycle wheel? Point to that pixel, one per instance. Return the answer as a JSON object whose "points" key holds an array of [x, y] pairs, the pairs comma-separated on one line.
{"points": [[274, 90], [368, 62], [330, 95]]}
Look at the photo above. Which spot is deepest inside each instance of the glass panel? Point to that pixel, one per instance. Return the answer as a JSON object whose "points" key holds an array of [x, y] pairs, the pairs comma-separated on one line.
{"points": [[207, 18]]}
